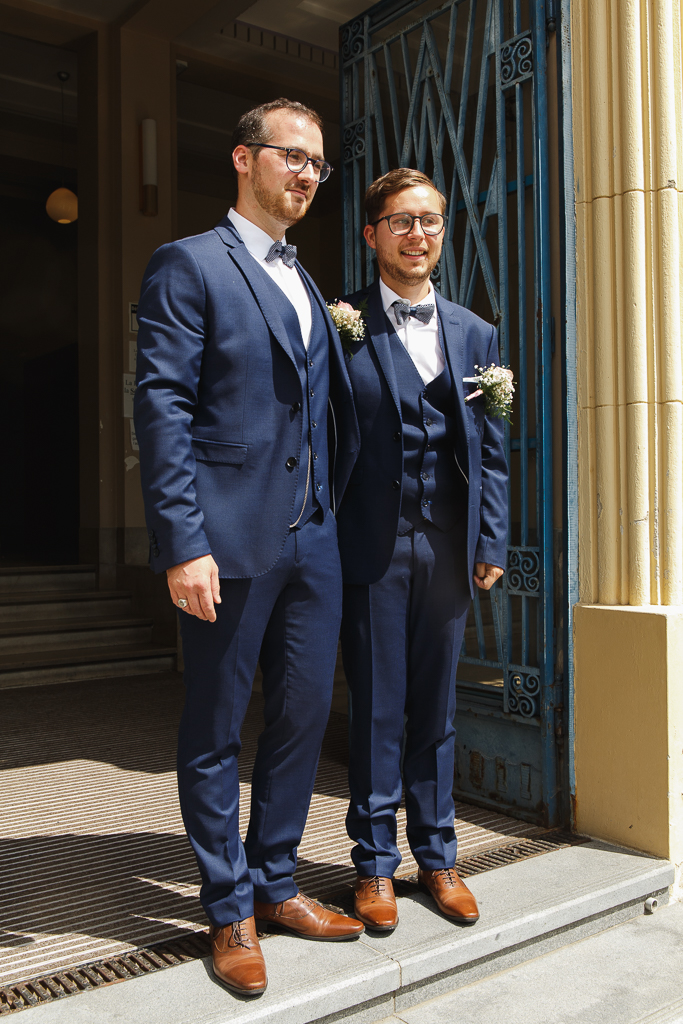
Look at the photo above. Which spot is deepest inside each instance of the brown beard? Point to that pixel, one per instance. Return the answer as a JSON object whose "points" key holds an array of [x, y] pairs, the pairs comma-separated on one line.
{"points": [[276, 204], [400, 273]]}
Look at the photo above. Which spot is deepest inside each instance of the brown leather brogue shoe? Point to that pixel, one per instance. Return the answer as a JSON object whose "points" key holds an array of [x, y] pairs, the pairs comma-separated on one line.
{"points": [[237, 958], [374, 903], [307, 918], [450, 893]]}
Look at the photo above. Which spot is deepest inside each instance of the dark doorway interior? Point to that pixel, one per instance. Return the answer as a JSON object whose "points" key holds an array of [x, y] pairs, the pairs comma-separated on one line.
{"points": [[39, 369]]}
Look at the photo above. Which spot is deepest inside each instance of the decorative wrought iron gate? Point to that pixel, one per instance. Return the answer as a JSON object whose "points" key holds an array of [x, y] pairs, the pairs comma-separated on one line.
{"points": [[458, 90]]}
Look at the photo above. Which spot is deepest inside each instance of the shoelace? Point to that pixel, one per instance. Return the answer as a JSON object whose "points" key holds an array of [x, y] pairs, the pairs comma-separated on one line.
{"points": [[376, 884], [447, 875], [237, 938]]}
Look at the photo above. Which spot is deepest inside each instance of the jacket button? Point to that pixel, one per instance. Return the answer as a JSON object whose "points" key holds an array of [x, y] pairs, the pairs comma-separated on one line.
{"points": [[296, 407], [397, 435], [396, 485], [291, 462], [155, 552]]}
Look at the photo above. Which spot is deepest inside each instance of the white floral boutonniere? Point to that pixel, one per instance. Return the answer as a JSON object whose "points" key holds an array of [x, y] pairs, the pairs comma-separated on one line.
{"points": [[349, 323], [495, 384]]}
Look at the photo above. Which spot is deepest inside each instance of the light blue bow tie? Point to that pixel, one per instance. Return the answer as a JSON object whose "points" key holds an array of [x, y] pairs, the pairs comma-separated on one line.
{"points": [[402, 312], [286, 253]]}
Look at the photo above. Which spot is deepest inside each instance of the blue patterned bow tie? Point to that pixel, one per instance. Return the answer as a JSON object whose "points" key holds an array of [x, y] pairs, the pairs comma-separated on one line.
{"points": [[286, 253], [402, 312]]}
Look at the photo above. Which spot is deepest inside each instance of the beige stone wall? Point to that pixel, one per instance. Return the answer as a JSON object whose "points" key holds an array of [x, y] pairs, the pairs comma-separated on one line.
{"points": [[628, 141]]}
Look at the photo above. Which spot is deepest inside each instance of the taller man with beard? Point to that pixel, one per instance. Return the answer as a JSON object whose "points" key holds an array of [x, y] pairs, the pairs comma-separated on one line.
{"points": [[423, 521], [237, 359]]}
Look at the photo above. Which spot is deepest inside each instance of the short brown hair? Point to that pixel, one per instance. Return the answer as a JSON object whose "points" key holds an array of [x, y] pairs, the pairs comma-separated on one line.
{"points": [[253, 128], [391, 183]]}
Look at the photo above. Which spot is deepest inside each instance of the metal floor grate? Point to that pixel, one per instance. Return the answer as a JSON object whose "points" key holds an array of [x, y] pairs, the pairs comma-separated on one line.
{"points": [[48, 987]]}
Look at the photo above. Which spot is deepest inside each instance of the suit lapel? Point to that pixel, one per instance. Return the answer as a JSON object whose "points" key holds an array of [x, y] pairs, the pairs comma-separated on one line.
{"points": [[454, 345], [379, 337], [259, 282]]}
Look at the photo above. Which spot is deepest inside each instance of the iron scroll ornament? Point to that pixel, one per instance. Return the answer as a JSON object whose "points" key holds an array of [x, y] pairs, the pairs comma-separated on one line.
{"points": [[524, 689], [516, 61], [353, 40], [354, 140], [523, 572]]}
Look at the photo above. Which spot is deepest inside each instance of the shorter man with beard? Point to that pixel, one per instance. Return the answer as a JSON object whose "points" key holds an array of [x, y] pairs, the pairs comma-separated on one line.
{"points": [[237, 357], [423, 521]]}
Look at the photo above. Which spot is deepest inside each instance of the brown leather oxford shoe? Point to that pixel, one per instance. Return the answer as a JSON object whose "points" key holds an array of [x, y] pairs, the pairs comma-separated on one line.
{"points": [[306, 917], [450, 893], [237, 958], [374, 903]]}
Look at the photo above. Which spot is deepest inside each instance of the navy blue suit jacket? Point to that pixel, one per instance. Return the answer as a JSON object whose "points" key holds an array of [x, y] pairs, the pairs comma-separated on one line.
{"points": [[215, 406], [367, 519]]}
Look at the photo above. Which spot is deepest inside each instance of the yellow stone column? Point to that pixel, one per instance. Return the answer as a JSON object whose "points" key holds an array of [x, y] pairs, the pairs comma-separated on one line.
{"points": [[628, 629]]}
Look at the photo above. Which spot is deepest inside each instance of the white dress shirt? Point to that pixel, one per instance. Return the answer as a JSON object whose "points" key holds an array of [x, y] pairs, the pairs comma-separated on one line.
{"points": [[421, 341], [258, 244]]}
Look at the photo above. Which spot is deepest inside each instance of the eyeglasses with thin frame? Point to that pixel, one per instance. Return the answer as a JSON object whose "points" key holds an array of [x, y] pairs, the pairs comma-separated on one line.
{"points": [[402, 223], [297, 160]]}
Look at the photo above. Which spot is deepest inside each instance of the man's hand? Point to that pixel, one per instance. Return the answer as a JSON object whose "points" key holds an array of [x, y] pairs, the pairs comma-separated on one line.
{"points": [[485, 575], [196, 581]]}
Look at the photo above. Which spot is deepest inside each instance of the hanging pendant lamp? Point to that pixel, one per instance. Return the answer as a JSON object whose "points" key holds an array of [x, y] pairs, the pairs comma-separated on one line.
{"points": [[62, 204]]}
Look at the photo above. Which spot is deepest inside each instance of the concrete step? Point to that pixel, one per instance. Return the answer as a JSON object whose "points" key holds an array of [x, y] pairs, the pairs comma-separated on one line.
{"points": [[73, 634], [528, 908], [63, 604], [42, 667], [14, 579], [626, 975]]}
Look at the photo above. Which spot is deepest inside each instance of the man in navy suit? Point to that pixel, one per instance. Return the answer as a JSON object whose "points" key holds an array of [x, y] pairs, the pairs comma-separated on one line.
{"points": [[422, 522], [238, 367]]}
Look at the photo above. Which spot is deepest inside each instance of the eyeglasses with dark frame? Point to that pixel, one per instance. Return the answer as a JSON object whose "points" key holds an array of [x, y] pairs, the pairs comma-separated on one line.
{"points": [[402, 223], [297, 160]]}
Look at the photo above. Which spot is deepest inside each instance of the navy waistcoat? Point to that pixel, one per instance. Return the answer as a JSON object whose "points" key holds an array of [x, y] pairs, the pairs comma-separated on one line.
{"points": [[433, 487], [314, 374]]}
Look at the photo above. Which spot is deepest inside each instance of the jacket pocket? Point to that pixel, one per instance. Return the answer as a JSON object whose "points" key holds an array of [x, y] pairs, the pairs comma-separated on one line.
{"points": [[219, 451]]}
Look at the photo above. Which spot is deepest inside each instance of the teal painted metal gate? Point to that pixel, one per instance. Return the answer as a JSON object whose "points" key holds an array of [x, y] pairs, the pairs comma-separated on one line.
{"points": [[458, 90]]}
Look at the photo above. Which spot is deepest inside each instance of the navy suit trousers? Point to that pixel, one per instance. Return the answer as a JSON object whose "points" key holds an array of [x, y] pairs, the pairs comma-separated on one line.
{"points": [[289, 618], [401, 638]]}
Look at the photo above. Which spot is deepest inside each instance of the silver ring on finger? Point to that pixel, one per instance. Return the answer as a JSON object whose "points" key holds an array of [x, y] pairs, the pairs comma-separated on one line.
{"points": [[182, 602]]}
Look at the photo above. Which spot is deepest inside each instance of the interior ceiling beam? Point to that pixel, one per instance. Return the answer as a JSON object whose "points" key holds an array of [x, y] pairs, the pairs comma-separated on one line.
{"points": [[44, 24], [238, 75], [167, 18]]}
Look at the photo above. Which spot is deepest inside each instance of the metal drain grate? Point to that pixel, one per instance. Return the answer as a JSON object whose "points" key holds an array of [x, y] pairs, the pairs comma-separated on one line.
{"points": [[61, 984], [48, 987]]}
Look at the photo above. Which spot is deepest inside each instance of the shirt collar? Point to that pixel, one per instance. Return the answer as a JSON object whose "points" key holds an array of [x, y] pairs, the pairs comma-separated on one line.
{"points": [[255, 238], [389, 296]]}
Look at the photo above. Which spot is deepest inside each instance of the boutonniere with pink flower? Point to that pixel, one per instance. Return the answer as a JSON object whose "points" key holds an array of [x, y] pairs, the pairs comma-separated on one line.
{"points": [[495, 384], [349, 322]]}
